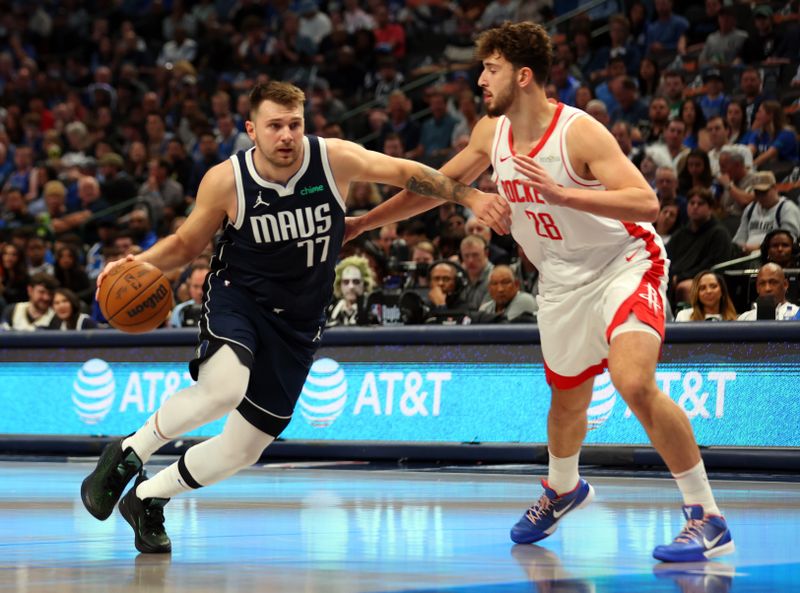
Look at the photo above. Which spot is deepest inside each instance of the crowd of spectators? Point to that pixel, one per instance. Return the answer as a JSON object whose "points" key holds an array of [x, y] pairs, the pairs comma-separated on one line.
{"points": [[112, 112]]}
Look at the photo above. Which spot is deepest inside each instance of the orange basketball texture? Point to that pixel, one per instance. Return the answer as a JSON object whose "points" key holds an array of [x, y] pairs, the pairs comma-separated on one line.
{"points": [[135, 297]]}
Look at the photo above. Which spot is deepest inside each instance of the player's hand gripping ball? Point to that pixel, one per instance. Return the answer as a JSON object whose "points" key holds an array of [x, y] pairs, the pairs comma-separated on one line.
{"points": [[135, 297]]}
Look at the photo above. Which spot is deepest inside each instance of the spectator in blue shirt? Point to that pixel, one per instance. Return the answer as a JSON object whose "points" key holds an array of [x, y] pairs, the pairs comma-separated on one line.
{"points": [[665, 32], [770, 139], [614, 70], [629, 107], [437, 131], [566, 85], [713, 102], [620, 45]]}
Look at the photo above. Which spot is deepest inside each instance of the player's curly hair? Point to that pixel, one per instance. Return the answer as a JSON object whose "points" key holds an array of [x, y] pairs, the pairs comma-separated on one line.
{"points": [[282, 93], [523, 44], [362, 264]]}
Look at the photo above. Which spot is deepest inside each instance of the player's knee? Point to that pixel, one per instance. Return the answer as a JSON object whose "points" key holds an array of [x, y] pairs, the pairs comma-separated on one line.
{"points": [[564, 407], [248, 452], [636, 389], [224, 393]]}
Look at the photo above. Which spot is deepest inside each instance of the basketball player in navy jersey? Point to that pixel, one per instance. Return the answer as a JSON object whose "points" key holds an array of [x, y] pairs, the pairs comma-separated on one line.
{"points": [[581, 212], [281, 209]]}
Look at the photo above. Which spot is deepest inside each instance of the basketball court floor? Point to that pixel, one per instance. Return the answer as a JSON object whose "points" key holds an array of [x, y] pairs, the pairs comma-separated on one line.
{"points": [[307, 528]]}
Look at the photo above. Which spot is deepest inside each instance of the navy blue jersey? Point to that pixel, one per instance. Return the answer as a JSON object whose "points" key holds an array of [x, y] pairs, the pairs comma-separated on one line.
{"points": [[283, 246]]}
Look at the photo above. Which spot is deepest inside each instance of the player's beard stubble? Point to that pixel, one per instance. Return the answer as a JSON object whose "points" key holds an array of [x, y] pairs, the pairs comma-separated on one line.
{"points": [[502, 101]]}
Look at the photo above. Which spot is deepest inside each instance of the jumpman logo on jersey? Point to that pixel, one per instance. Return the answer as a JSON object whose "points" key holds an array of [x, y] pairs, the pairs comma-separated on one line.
{"points": [[318, 337], [260, 202], [652, 298]]}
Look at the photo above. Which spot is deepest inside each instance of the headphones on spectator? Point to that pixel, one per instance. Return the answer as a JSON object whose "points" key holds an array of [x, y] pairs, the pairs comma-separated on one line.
{"points": [[768, 238], [461, 274]]}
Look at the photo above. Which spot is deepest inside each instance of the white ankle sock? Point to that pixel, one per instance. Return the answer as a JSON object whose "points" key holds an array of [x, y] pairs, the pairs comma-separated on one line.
{"points": [[147, 440], [165, 484], [696, 489], [562, 472]]}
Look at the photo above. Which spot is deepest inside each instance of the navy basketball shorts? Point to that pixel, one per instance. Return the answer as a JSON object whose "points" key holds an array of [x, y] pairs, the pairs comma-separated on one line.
{"points": [[278, 352]]}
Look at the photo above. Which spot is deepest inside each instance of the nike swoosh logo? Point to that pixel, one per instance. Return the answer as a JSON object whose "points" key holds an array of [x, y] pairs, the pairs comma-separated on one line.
{"points": [[630, 257], [503, 159], [557, 514], [711, 543]]}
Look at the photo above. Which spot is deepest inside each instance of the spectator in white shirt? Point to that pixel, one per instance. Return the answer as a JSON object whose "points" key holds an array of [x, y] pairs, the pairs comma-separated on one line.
{"points": [[767, 212]]}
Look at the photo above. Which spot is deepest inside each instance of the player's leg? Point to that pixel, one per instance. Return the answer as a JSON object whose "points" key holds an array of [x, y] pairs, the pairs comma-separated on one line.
{"points": [[238, 446], [564, 490], [221, 384], [632, 365], [567, 424]]}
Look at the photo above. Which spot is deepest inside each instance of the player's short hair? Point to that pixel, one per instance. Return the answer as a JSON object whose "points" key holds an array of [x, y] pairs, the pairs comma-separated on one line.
{"points": [[282, 93], [525, 45]]}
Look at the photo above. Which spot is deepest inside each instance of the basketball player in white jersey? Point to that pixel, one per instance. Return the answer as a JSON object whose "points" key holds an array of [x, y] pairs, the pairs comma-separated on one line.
{"points": [[582, 212]]}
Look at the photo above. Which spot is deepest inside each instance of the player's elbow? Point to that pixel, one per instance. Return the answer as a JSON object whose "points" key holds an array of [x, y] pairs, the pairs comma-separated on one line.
{"points": [[651, 207], [651, 213]]}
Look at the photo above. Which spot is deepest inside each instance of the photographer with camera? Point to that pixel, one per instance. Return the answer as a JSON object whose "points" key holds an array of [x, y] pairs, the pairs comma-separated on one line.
{"points": [[187, 314]]}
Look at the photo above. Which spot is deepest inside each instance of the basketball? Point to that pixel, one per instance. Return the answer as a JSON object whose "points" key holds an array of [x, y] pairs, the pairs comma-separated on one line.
{"points": [[135, 297]]}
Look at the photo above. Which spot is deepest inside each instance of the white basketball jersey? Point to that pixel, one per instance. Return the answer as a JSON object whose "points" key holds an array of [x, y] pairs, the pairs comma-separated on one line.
{"points": [[569, 247]]}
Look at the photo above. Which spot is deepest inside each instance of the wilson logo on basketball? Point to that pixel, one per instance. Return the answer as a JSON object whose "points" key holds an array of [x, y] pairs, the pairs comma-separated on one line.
{"points": [[159, 295]]}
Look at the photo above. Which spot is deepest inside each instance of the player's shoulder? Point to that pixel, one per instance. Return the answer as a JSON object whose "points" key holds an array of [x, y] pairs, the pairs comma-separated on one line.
{"points": [[485, 127], [346, 158], [482, 134], [338, 148], [586, 132], [220, 178]]}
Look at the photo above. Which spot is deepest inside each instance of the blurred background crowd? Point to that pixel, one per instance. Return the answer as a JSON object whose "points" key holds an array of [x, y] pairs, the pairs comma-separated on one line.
{"points": [[111, 111]]}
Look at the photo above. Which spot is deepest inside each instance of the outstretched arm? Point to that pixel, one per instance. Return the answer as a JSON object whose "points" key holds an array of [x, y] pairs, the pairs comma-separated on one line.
{"points": [[216, 199], [465, 167], [594, 152]]}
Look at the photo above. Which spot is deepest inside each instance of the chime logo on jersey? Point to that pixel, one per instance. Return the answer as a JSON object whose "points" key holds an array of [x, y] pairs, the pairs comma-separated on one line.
{"points": [[604, 397], [93, 391], [324, 393], [288, 225], [312, 189]]}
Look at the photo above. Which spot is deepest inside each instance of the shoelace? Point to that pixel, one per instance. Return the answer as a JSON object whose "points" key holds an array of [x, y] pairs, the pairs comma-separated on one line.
{"points": [[153, 520], [539, 510], [690, 531]]}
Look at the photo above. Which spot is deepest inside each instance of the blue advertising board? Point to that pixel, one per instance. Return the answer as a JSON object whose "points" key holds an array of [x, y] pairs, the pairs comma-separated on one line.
{"points": [[729, 402]]}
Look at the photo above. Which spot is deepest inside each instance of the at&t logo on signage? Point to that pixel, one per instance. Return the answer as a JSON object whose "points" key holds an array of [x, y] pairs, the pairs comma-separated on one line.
{"points": [[405, 392], [324, 394], [603, 399], [93, 391]]}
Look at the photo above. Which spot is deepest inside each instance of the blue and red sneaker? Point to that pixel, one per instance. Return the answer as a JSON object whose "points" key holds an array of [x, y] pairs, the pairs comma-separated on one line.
{"points": [[542, 518], [703, 536]]}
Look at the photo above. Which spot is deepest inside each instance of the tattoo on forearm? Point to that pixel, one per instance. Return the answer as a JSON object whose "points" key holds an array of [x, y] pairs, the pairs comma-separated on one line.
{"points": [[431, 183]]}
